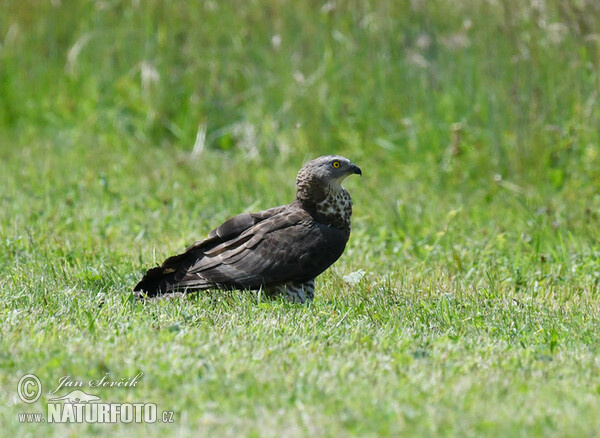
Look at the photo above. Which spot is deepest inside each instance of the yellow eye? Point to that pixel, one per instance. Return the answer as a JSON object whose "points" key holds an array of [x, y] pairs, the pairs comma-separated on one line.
{"points": [[336, 164]]}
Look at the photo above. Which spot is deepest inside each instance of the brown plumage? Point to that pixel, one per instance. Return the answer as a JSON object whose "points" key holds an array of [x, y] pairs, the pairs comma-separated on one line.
{"points": [[281, 249]]}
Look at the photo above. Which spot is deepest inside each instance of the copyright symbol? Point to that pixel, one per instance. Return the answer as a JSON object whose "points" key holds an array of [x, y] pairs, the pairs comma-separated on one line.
{"points": [[29, 388]]}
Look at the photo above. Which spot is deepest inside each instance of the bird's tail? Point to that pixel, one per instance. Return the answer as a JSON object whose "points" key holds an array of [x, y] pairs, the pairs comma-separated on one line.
{"points": [[171, 278], [157, 281]]}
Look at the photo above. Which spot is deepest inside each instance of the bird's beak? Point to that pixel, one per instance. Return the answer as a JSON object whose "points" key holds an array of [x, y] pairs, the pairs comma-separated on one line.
{"points": [[355, 169]]}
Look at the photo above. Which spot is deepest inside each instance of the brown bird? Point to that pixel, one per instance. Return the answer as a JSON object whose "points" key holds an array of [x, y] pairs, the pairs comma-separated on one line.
{"points": [[280, 250]]}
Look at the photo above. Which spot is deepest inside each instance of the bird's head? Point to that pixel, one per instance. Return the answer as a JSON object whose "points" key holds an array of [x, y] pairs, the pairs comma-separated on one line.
{"points": [[323, 176]]}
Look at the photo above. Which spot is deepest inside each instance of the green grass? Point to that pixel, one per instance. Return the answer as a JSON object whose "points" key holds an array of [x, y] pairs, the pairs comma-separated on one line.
{"points": [[477, 220]]}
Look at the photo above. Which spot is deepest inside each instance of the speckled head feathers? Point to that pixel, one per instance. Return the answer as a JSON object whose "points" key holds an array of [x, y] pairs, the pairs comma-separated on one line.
{"points": [[322, 176]]}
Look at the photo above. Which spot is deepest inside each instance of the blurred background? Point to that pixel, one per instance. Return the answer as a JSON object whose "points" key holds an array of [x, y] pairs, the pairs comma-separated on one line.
{"points": [[509, 85]]}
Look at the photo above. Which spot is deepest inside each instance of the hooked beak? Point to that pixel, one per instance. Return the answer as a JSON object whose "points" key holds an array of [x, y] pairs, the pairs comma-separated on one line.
{"points": [[355, 169]]}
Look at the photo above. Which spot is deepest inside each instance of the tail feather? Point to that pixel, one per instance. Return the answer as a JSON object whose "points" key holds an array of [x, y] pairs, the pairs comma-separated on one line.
{"points": [[160, 280], [156, 281], [168, 278]]}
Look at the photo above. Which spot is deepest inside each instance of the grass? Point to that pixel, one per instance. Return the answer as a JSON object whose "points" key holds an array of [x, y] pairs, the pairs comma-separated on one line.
{"points": [[129, 130]]}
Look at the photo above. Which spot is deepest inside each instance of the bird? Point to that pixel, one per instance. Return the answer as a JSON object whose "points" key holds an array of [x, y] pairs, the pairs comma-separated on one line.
{"points": [[279, 251]]}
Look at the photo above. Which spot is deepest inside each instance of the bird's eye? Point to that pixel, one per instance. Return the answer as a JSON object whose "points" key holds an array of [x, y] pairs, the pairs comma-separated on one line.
{"points": [[336, 164]]}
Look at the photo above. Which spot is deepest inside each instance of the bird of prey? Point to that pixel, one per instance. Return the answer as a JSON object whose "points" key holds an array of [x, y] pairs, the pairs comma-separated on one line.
{"points": [[280, 250]]}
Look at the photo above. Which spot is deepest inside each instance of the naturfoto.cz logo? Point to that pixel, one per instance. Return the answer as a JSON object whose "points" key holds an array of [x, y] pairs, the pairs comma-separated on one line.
{"points": [[78, 406]]}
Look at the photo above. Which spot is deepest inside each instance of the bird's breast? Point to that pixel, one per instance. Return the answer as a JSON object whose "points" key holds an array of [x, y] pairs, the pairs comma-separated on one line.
{"points": [[336, 209]]}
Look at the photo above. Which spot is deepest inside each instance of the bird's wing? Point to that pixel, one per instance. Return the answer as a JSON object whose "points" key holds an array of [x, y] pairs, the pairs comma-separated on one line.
{"points": [[287, 246], [235, 226], [163, 278]]}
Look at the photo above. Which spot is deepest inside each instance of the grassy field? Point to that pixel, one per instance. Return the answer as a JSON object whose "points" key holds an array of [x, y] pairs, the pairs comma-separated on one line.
{"points": [[130, 129]]}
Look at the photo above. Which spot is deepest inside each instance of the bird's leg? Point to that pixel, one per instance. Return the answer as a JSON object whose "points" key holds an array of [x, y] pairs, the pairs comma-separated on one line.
{"points": [[309, 289], [295, 292]]}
